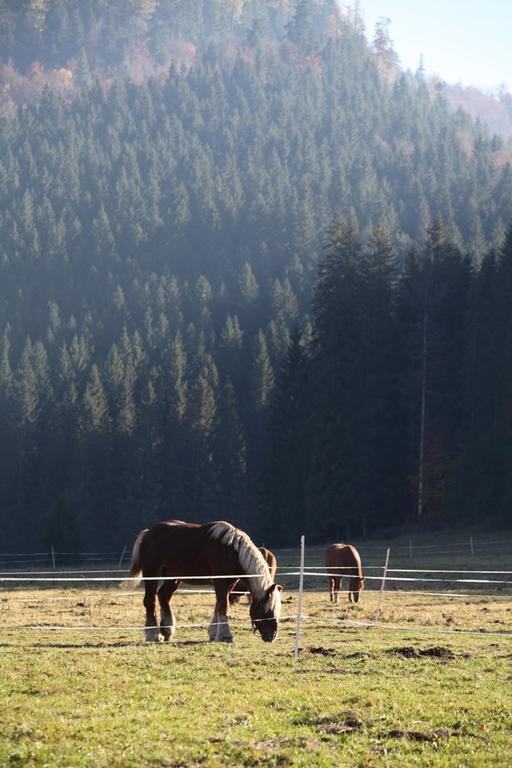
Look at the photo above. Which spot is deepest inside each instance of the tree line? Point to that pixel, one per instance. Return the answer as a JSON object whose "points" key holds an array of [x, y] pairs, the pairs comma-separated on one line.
{"points": [[397, 410], [160, 247]]}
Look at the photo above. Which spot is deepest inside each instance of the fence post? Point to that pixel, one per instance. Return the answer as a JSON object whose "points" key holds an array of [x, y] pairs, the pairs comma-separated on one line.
{"points": [[384, 575], [53, 557], [471, 546], [122, 556], [299, 607]]}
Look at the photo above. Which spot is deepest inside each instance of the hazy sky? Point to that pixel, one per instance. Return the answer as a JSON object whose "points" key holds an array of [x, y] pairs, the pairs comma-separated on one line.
{"points": [[461, 40]]}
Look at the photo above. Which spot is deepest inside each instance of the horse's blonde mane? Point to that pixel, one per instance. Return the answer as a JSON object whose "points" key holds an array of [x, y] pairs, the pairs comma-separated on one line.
{"points": [[250, 558]]}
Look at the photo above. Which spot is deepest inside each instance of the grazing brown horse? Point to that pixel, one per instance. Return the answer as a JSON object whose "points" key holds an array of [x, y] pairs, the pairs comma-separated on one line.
{"points": [[183, 550], [242, 586], [343, 560]]}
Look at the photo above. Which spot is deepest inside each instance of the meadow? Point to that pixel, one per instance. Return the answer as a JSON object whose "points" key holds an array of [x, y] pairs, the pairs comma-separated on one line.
{"points": [[425, 681]]}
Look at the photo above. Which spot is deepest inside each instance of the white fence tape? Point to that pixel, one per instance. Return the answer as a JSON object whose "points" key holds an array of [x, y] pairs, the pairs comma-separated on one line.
{"points": [[410, 628], [59, 572], [106, 579], [127, 579], [292, 570], [20, 576], [134, 627], [46, 597], [442, 570], [405, 578], [29, 577]]}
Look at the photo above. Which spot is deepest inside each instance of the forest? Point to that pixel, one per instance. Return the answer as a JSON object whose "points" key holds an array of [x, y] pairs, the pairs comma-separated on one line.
{"points": [[249, 270]]}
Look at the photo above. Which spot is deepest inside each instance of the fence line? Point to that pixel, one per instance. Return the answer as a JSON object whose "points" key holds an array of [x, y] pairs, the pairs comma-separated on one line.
{"points": [[44, 597], [331, 567], [443, 570], [406, 578], [208, 577], [410, 628], [135, 579], [402, 548], [24, 554], [312, 572], [381, 567], [290, 571], [317, 619], [138, 627], [48, 570]]}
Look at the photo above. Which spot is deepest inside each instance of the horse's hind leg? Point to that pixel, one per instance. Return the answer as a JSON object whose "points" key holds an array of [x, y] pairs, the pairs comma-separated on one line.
{"points": [[167, 621], [235, 599], [151, 631]]}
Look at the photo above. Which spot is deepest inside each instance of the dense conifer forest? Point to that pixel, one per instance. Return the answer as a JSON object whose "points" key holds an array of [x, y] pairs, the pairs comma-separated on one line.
{"points": [[249, 270]]}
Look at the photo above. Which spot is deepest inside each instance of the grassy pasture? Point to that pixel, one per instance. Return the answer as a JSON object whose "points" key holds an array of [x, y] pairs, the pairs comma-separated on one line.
{"points": [[411, 690]]}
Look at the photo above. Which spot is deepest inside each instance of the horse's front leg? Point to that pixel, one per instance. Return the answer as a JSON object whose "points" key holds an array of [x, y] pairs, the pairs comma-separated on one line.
{"points": [[151, 632], [167, 620], [222, 590], [212, 626]]}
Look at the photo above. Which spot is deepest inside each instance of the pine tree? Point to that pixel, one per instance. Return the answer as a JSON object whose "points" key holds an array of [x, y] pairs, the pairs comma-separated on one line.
{"points": [[283, 487], [262, 373], [94, 416]]}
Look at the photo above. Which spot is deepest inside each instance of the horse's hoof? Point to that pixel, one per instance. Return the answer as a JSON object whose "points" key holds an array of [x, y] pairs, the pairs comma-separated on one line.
{"points": [[225, 640]]}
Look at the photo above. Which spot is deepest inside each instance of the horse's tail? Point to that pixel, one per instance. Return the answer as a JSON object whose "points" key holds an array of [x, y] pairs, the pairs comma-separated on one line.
{"points": [[135, 566]]}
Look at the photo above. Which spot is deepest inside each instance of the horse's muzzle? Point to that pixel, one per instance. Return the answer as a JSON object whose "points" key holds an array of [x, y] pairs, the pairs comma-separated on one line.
{"points": [[268, 633]]}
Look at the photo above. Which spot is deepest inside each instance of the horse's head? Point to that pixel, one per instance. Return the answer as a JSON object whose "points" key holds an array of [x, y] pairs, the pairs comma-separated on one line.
{"points": [[355, 588], [266, 612]]}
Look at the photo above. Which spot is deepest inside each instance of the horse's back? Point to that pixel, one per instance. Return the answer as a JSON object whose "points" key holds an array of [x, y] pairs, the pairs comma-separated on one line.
{"points": [[343, 556], [186, 549], [270, 559]]}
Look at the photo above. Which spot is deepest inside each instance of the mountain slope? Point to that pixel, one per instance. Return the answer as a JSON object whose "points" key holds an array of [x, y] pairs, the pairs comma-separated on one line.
{"points": [[161, 238]]}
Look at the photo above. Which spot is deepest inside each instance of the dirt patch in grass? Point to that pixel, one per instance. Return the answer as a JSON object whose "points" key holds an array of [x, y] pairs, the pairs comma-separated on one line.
{"points": [[435, 652], [320, 650], [438, 734], [348, 723], [361, 655]]}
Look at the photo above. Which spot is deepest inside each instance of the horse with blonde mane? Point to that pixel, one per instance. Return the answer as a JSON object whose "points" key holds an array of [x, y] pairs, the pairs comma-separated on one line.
{"points": [[344, 560], [242, 586], [176, 551]]}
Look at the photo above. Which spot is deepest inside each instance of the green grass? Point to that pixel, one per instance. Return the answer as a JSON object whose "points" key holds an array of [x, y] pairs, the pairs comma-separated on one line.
{"points": [[356, 696], [404, 687]]}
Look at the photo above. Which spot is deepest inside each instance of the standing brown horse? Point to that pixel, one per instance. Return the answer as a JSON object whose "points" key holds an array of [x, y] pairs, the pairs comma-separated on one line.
{"points": [[242, 586], [183, 550], [343, 560]]}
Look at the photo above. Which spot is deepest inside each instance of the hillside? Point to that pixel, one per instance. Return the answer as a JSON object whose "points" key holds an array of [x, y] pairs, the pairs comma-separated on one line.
{"points": [[166, 186], [493, 110]]}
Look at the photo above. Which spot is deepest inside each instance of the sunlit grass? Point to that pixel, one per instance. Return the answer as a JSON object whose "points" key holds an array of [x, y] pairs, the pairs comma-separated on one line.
{"points": [[356, 696]]}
